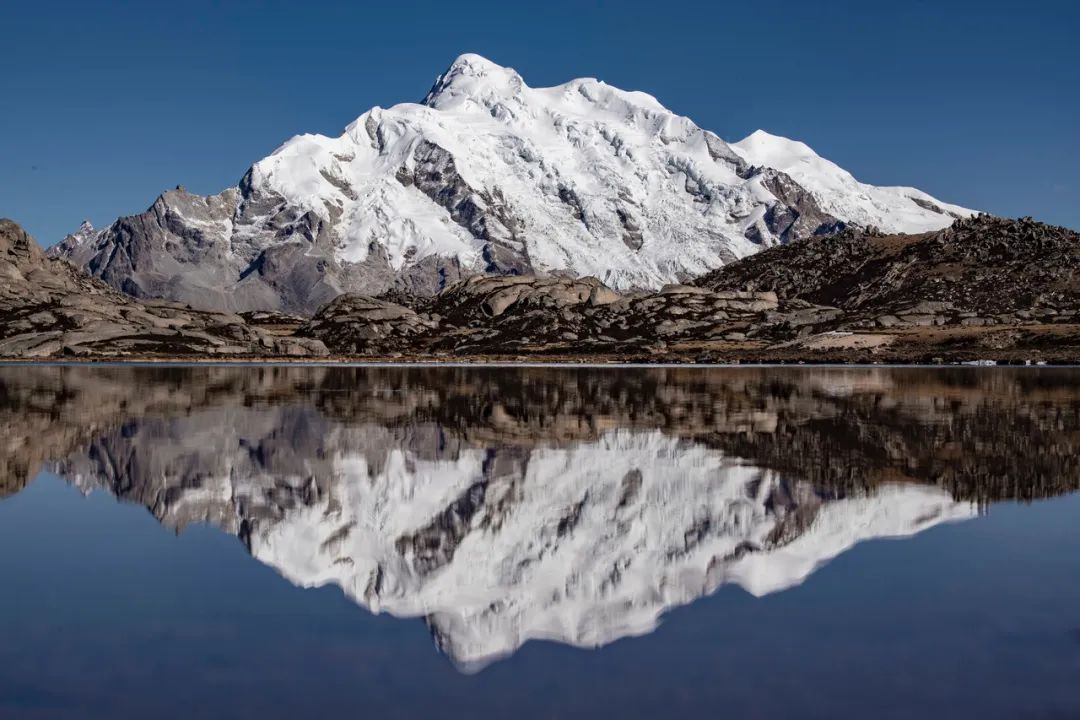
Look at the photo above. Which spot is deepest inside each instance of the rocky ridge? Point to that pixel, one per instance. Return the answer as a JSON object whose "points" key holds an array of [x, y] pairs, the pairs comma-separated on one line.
{"points": [[526, 315], [48, 308], [979, 272]]}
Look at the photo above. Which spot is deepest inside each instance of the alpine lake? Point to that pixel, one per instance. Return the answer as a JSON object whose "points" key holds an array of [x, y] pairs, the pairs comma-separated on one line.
{"points": [[386, 541]]}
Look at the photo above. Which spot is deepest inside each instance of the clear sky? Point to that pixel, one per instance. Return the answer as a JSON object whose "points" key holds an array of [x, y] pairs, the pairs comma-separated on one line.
{"points": [[104, 105]]}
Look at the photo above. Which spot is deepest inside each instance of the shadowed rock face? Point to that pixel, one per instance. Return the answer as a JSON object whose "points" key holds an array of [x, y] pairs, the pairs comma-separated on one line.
{"points": [[244, 249], [798, 215], [493, 501], [49, 308], [979, 271]]}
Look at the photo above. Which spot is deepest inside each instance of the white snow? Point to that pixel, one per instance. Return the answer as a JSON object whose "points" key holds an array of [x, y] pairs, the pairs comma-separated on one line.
{"points": [[889, 208]]}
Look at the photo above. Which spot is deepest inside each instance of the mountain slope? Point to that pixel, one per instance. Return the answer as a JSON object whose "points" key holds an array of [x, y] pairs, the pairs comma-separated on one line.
{"points": [[889, 209], [485, 175]]}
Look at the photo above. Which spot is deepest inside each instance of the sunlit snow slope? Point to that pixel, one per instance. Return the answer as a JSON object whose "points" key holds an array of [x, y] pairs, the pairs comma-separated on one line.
{"points": [[890, 209]]}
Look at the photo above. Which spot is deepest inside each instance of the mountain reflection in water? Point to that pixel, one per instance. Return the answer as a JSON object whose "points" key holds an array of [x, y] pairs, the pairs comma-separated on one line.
{"points": [[576, 505]]}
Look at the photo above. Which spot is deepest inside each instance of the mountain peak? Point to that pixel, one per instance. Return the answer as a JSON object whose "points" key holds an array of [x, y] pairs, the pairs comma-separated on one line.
{"points": [[76, 245], [761, 142], [471, 63], [85, 231], [472, 76]]}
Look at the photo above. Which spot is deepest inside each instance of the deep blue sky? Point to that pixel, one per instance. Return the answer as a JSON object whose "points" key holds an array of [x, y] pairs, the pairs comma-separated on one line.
{"points": [[106, 105]]}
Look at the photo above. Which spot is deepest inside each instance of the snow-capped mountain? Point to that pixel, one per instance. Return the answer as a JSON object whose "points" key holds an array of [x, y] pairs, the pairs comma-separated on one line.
{"points": [[81, 240], [487, 174]]}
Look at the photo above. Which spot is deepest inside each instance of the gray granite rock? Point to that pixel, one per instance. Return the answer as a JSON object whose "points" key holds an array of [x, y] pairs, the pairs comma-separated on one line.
{"points": [[50, 309]]}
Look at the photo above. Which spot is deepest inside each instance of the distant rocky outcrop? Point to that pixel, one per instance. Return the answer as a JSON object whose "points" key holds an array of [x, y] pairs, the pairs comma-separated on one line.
{"points": [[48, 308], [508, 315]]}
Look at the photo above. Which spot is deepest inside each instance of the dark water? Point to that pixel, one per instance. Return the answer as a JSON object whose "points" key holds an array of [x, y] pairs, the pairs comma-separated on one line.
{"points": [[539, 542]]}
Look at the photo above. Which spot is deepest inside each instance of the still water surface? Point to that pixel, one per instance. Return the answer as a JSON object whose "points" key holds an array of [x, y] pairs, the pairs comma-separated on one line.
{"points": [[539, 542]]}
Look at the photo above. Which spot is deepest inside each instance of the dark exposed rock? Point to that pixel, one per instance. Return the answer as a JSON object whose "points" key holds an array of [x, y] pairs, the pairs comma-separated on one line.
{"points": [[358, 325], [798, 215], [632, 235], [180, 250], [571, 199], [933, 207], [433, 546], [983, 265], [483, 214], [243, 249]]}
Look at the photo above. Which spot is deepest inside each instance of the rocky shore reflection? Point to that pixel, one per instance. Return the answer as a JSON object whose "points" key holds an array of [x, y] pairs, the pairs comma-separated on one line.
{"points": [[576, 505]]}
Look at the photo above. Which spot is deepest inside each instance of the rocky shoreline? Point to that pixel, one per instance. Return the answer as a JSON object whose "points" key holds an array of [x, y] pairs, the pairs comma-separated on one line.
{"points": [[985, 290]]}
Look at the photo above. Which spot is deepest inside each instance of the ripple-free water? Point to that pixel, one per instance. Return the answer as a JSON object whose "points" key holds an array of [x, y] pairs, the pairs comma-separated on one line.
{"points": [[539, 542]]}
